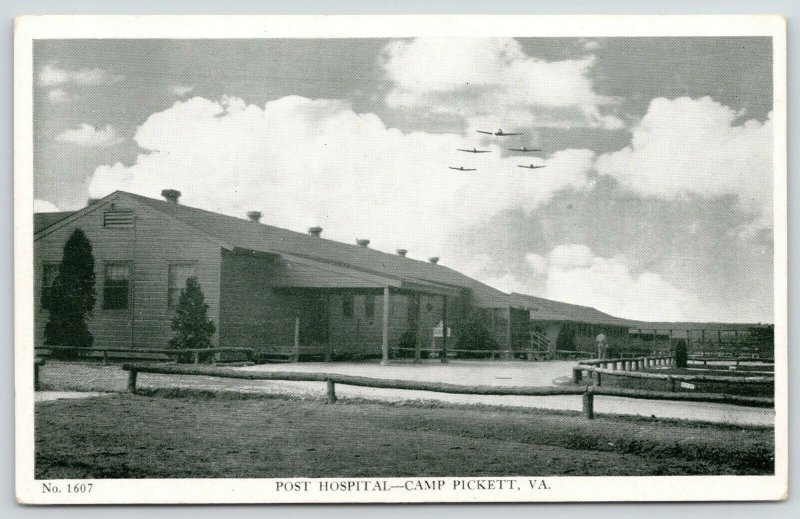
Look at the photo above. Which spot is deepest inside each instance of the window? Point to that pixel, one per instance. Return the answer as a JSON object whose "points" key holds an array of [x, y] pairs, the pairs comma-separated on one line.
{"points": [[118, 219], [49, 273], [347, 305], [116, 285], [369, 305], [178, 274]]}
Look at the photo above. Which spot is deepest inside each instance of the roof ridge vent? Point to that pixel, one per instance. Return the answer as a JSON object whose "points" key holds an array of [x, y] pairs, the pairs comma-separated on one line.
{"points": [[315, 231], [171, 195]]}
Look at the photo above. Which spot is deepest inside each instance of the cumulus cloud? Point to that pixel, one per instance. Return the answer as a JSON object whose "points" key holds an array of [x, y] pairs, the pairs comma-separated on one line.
{"points": [[181, 90], [689, 145], [317, 162], [43, 206], [89, 136], [536, 262], [574, 274], [483, 79], [59, 96], [571, 256], [52, 75]]}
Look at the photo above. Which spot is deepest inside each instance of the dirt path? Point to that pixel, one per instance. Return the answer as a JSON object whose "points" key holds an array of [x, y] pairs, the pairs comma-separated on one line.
{"points": [[95, 377]]}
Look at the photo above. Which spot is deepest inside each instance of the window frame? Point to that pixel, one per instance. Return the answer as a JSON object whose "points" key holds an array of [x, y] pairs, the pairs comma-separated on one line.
{"points": [[184, 263], [129, 285]]}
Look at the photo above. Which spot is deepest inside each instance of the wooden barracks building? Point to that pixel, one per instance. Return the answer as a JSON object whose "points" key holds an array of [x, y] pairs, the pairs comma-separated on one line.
{"points": [[273, 290]]}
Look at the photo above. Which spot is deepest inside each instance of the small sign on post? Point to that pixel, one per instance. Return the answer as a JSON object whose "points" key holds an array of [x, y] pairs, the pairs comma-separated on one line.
{"points": [[437, 330], [687, 385]]}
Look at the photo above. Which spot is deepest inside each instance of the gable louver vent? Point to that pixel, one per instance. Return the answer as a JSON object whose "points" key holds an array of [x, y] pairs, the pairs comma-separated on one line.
{"points": [[118, 219]]}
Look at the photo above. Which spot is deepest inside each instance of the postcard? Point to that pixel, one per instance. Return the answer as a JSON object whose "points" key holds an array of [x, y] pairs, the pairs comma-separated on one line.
{"points": [[396, 259]]}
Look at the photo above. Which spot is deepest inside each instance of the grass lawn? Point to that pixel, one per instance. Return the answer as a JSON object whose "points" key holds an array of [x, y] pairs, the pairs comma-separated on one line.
{"points": [[180, 433]]}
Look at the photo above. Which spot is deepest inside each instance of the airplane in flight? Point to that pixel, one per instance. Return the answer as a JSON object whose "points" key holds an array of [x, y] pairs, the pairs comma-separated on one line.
{"points": [[462, 168], [474, 150], [523, 149], [498, 133], [530, 167]]}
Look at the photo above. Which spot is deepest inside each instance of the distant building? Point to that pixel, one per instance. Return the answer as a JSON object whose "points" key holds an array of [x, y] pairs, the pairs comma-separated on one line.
{"points": [[270, 288]]}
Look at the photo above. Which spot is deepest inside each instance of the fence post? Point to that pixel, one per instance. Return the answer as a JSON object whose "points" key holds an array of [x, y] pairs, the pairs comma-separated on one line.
{"points": [[331, 391], [599, 382], [35, 375], [672, 384], [105, 357], [197, 357], [296, 354], [577, 375], [132, 381], [588, 405]]}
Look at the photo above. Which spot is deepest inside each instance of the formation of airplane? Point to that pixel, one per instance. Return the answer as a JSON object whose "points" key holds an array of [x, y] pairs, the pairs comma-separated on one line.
{"points": [[498, 133]]}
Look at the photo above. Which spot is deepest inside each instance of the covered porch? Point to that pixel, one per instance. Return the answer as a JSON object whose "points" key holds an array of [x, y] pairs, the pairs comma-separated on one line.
{"points": [[344, 314]]}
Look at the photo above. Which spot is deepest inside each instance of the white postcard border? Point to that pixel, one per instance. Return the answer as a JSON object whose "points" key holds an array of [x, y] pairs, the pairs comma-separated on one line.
{"points": [[574, 489]]}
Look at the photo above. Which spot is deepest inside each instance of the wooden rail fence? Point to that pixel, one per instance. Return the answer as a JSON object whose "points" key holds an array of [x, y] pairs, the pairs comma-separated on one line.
{"points": [[195, 352], [630, 368], [37, 363], [331, 379]]}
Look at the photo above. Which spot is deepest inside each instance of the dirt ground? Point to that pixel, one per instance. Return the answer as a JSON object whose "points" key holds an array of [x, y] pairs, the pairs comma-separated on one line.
{"points": [[181, 433]]}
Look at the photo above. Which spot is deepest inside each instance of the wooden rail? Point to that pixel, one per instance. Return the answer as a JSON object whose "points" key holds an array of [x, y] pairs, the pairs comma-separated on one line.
{"points": [[196, 352], [629, 368], [737, 360], [331, 379], [496, 354], [37, 363]]}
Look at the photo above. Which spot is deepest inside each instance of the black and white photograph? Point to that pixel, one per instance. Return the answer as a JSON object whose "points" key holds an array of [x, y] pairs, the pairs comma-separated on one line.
{"points": [[400, 259]]}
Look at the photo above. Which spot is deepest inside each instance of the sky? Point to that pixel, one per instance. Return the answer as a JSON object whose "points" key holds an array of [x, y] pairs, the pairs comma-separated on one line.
{"points": [[655, 201]]}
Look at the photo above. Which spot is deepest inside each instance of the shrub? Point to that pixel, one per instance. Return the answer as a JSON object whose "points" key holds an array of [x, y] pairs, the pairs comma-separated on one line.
{"points": [[475, 335], [72, 297], [407, 343], [193, 329]]}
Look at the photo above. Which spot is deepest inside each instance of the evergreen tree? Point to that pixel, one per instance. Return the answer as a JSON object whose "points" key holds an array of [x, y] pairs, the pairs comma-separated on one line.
{"points": [[193, 329], [71, 298]]}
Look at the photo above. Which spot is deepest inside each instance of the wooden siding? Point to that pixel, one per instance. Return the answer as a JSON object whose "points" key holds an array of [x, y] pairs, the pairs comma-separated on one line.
{"points": [[255, 314], [360, 334], [150, 246]]}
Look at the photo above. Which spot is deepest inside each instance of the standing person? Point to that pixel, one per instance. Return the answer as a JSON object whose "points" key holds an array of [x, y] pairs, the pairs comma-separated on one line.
{"points": [[602, 346]]}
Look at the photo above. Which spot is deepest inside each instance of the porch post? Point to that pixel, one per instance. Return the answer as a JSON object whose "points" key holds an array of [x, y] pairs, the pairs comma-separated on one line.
{"points": [[296, 353], [385, 343], [444, 329], [417, 334]]}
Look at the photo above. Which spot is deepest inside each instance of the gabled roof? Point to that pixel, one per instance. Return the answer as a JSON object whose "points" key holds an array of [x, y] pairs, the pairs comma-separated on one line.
{"points": [[245, 234], [44, 220], [549, 310]]}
